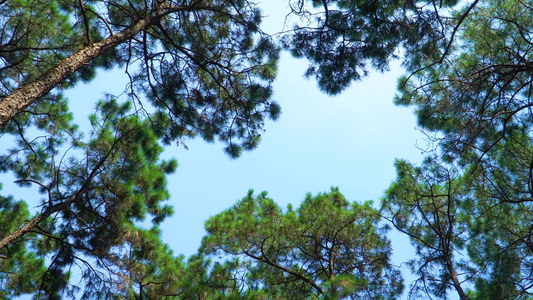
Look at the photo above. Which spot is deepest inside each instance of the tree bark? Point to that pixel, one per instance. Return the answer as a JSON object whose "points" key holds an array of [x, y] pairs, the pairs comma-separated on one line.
{"points": [[30, 92], [455, 279]]}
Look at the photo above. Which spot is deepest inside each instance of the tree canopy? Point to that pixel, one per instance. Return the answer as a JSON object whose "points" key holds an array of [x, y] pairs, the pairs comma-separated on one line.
{"points": [[472, 196], [195, 68], [206, 65], [326, 247], [205, 68]]}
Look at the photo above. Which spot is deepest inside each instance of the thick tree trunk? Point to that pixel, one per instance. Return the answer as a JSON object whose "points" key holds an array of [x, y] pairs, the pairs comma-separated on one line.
{"points": [[30, 92]]}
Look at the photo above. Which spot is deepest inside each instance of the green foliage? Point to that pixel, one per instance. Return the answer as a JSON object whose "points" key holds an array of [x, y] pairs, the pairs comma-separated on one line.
{"points": [[473, 203], [148, 269], [206, 65], [327, 247], [17, 260], [341, 38], [499, 214], [95, 190], [29, 28], [200, 68], [470, 227], [425, 204], [481, 92], [204, 68]]}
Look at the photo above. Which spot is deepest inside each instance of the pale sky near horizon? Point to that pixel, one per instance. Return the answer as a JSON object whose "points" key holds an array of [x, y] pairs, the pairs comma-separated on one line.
{"points": [[349, 141]]}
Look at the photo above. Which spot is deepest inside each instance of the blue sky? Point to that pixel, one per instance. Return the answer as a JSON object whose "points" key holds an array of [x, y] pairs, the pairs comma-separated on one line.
{"points": [[349, 141]]}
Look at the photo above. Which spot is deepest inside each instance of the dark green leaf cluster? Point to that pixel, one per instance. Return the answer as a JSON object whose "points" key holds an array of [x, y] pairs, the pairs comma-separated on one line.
{"points": [[481, 92], [19, 260], [467, 209], [340, 38], [211, 74], [34, 35], [205, 64]]}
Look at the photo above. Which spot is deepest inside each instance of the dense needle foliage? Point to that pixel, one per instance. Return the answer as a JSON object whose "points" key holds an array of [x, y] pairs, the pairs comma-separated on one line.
{"points": [[327, 246], [205, 68]]}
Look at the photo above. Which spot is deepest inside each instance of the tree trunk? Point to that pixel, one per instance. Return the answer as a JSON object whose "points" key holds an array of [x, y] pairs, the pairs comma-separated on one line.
{"points": [[455, 279], [28, 93]]}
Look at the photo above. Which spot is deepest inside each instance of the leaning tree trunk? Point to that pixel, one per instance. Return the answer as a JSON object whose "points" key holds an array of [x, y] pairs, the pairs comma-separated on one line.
{"points": [[30, 92]]}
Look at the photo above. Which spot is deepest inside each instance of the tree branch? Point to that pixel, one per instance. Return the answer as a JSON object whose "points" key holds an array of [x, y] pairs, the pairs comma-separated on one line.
{"points": [[30, 92], [299, 276], [9, 239]]}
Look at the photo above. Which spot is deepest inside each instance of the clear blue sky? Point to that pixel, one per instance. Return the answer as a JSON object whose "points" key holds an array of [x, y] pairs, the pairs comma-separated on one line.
{"points": [[349, 141]]}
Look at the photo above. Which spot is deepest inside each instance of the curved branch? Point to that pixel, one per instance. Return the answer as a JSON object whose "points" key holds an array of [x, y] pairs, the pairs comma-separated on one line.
{"points": [[30, 92], [86, 24], [299, 276], [33, 223]]}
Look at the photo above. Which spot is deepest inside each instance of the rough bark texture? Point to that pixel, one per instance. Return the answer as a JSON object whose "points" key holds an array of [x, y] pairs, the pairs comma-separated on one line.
{"points": [[30, 92]]}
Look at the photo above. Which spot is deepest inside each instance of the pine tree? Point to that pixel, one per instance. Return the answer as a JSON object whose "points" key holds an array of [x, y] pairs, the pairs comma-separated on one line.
{"points": [[475, 102], [328, 247], [196, 68], [206, 64], [93, 189]]}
